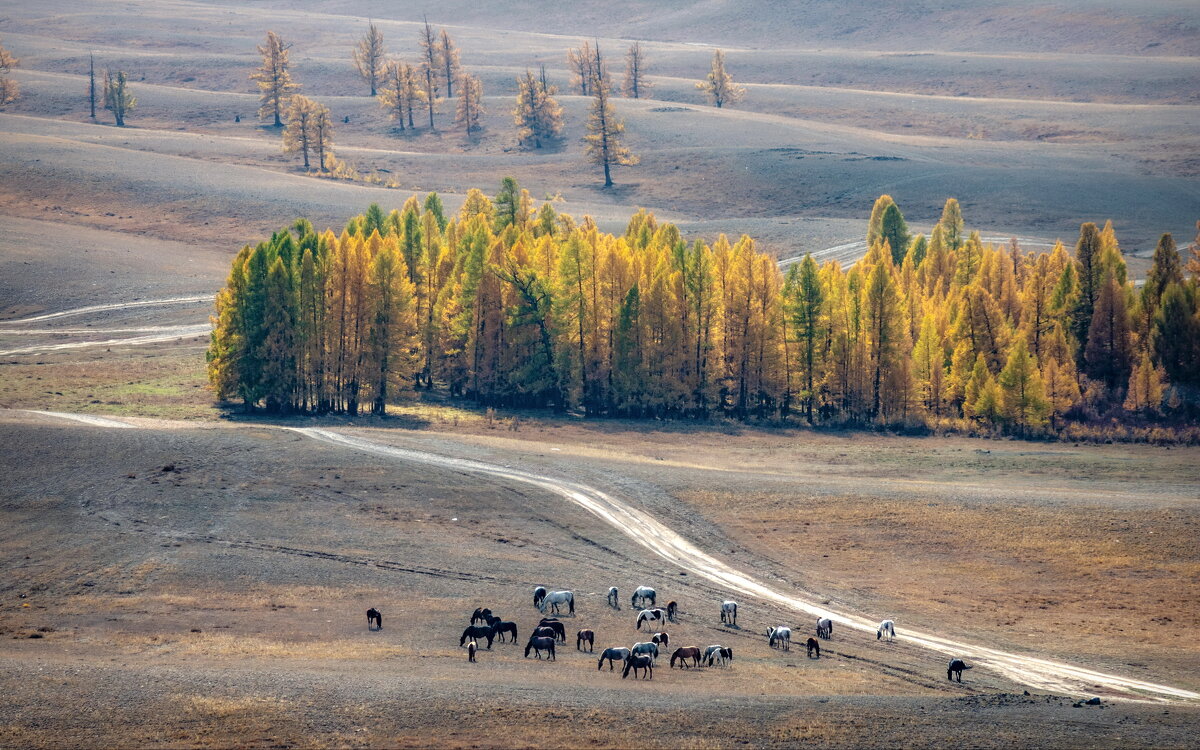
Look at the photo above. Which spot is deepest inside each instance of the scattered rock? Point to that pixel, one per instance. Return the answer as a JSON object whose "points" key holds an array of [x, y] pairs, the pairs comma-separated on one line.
{"points": [[1092, 701]]}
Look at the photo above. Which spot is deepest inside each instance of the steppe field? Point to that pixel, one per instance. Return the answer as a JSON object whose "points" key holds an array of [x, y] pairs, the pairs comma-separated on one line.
{"points": [[177, 574]]}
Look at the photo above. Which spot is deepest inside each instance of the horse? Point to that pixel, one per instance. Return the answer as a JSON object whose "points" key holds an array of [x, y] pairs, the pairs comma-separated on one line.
{"points": [[683, 654], [500, 628], [672, 610], [649, 615], [613, 655], [373, 616], [662, 639], [589, 637], [559, 630], [538, 595], [781, 634], [811, 646], [711, 653], [543, 631], [647, 648], [477, 631], [472, 646], [538, 645], [480, 615], [888, 628], [729, 613], [726, 655], [956, 668], [636, 663], [825, 628], [492, 619], [642, 595], [555, 599], [613, 600]]}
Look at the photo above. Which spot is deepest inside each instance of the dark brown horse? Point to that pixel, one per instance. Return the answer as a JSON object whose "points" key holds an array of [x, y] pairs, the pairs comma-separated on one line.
{"points": [[500, 629], [477, 631], [480, 615], [560, 631], [672, 609], [373, 616], [683, 654], [585, 636], [956, 669], [538, 645], [543, 632], [813, 646], [642, 662]]}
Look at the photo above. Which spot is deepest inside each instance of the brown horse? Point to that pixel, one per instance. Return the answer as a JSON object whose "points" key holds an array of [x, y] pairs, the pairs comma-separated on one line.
{"points": [[812, 645], [585, 636], [672, 610], [683, 654], [642, 662], [373, 616]]}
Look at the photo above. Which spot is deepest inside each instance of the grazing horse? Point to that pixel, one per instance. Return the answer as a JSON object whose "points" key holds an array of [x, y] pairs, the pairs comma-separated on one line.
{"points": [[825, 628], [726, 655], [729, 613], [480, 615], [636, 663], [711, 653], [642, 595], [472, 647], [649, 615], [477, 631], [813, 646], [646, 648], [662, 639], [560, 630], [781, 634], [613, 597], [556, 599], [538, 595], [613, 655], [538, 645], [585, 636], [683, 654], [499, 629], [373, 616], [888, 628], [672, 610], [492, 619], [543, 631], [956, 668]]}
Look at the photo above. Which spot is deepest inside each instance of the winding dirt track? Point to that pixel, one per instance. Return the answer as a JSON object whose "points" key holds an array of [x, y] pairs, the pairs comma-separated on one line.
{"points": [[644, 529]]}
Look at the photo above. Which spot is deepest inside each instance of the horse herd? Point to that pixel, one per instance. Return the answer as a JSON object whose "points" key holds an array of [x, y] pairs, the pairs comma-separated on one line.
{"points": [[639, 659]]}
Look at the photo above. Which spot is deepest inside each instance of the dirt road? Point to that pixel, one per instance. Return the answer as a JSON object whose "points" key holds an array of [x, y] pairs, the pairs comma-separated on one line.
{"points": [[656, 537]]}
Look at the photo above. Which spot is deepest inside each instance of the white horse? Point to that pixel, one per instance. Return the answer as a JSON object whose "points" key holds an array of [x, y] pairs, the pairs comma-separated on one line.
{"points": [[642, 595], [781, 634], [888, 628], [729, 612], [555, 599], [650, 616], [613, 601], [647, 647], [825, 628]]}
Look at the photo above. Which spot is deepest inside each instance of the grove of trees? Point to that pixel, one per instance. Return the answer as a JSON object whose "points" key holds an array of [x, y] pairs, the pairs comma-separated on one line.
{"points": [[508, 303]]}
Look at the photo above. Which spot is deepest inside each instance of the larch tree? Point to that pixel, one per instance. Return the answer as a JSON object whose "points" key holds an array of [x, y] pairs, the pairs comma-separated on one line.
{"points": [[1166, 269], [393, 323], [1146, 386], [394, 93], [274, 79], [9, 89], [581, 63], [952, 224], [322, 135], [894, 231], [370, 58], [92, 84], [807, 308], [470, 103], [1023, 394], [885, 327], [117, 98], [298, 134], [605, 145], [875, 223], [719, 85], [1108, 351], [451, 67], [1175, 336], [1089, 270], [636, 85], [430, 69], [538, 116]]}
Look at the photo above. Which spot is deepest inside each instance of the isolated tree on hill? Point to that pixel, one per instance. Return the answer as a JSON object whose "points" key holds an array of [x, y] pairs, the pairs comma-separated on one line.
{"points": [[117, 98], [636, 85], [92, 84], [9, 90], [299, 134], [581, 62], [719, 84], [273, 78], [451, 67], [323, 136], [537, 115], [394, 92], [470, 103], [430, 69], [369, 57], [604, 144]]}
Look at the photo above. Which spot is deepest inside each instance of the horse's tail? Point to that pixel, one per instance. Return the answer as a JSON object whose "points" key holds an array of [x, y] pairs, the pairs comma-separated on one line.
{"points": [[628, 666], [600, 663], [571, 602], [528, 646], [968, 666]]}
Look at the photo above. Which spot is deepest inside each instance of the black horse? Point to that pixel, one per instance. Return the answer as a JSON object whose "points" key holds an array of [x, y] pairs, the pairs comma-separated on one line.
{"points": [[956, 669], [813, 646], [480, 615], [499, 629], [560, 631], [641, 662], [476, 632], [374, 619], [538, 645], [542, 631]]}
